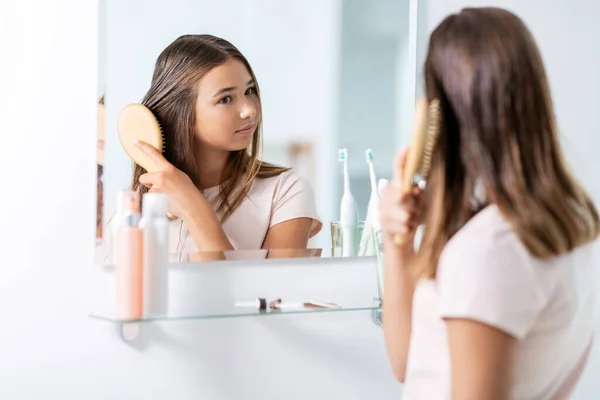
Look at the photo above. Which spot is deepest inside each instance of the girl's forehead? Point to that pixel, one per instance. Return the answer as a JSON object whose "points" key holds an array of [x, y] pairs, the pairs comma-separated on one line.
{"points": [[233, 74]]}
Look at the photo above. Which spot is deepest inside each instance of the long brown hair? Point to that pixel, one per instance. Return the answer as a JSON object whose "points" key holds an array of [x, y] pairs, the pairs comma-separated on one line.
{"points": [[172, 97], [498, 131]]}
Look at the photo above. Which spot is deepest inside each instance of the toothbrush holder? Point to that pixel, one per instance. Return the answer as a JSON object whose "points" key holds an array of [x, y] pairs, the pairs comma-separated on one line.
{"points": [[337, 237]]}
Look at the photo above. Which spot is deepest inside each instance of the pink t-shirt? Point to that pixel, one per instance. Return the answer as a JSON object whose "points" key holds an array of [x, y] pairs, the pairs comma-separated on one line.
{"points": [[486, 274], [269, 202]]}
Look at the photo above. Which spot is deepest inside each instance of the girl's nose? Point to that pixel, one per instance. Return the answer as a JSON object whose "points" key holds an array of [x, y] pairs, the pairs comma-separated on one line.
{"points": [[248, 111]]}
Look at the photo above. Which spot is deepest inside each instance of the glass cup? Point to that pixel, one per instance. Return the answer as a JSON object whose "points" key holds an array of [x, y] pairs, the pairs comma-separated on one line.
{"points": [[337, 238]]}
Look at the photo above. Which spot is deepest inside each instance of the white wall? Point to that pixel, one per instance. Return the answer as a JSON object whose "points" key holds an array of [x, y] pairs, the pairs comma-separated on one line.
{"points": [[566, 32], [49, 347], [47, 105]]}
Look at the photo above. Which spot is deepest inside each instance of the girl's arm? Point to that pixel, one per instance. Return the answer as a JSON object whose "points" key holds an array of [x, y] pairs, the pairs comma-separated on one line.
{"points": [[204, 226], [186, 202], [398, 289], [481, 360], [291, 235], [400, 213]]}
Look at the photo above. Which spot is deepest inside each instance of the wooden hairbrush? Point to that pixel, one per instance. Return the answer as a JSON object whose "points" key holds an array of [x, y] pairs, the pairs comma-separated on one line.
{"points": [[426, 130], [137, 122]]}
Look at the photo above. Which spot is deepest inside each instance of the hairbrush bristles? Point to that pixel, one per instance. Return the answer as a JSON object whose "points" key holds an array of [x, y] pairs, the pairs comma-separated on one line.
{"points": [[426, 131], [433, 132], [164, 140], [162, 132]]}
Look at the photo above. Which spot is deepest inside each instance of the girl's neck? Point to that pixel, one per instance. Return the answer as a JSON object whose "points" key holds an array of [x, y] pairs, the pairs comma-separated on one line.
{"points": [[211, 164]]}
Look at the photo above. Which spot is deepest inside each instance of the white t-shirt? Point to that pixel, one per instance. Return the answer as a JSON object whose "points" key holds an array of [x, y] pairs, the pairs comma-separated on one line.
{"points": [[269, 202], [486, 274]]}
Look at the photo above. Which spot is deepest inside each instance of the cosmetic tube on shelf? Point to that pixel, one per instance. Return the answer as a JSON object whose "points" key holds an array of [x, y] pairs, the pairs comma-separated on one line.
{"points": [[129, 259]]}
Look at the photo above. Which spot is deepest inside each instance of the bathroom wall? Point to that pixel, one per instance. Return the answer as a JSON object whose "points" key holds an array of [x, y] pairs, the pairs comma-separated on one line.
{"points": [[566, 33], [47, 105], [49, 348]]}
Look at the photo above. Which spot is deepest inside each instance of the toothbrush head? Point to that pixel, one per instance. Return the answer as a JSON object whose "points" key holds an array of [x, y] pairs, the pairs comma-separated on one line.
{"points": [[342, 155], [369, 154]]}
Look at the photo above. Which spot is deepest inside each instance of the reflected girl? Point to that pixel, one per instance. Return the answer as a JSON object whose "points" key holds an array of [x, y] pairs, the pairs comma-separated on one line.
{"points": [[206, 97]]}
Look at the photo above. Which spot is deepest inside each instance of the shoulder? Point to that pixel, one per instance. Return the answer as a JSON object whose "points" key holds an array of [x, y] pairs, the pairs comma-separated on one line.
{"points": [[282, 184], [485, 273], [291, 196], [486, 236]]}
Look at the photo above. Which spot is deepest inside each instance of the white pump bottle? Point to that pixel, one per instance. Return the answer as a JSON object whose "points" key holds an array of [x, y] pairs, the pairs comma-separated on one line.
{"points": [[155, 225]]}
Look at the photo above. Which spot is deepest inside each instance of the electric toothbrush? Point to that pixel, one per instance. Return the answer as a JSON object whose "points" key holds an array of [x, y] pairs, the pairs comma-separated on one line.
{"points": [[381, 185], [373, 224], [348, 212]]}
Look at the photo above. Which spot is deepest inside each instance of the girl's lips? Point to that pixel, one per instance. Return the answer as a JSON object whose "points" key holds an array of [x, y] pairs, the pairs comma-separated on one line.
{"points": [[245, 130]]}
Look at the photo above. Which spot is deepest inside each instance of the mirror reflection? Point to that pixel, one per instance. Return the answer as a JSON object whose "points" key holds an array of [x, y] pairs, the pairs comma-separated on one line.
{"points": [[269, 134]]}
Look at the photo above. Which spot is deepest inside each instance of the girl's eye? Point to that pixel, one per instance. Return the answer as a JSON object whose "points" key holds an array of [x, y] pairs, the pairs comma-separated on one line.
{"points": [[250, 91], [225, 100]]}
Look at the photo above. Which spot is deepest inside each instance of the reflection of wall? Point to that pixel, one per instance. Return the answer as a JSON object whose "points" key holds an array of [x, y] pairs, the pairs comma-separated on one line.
{"points": [[373, 85], [330, 73], [137, 31], [291, 45], [294, 49]]}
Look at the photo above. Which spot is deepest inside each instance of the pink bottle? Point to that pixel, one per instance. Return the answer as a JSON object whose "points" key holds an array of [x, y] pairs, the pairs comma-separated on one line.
{"points": [[129, 259]]}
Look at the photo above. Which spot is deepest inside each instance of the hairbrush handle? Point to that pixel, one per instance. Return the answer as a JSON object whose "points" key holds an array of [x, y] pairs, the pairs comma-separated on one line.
{"points": [[415, 153], [417, 145]]}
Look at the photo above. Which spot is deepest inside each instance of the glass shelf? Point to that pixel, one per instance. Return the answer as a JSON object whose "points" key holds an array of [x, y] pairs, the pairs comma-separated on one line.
{"points": [[219, 291], [236, 314]]}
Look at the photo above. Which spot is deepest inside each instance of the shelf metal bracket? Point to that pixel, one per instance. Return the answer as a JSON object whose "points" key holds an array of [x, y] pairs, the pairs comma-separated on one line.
{"points": [[376, 314]]}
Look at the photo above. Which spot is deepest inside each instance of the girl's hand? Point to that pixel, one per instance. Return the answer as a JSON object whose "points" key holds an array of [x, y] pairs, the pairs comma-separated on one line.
{"points": [[182, 194], [400, 212]]}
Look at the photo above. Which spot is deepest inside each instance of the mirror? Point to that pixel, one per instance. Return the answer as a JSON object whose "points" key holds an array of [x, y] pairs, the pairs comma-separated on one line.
{"points": [[330, 75]]}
